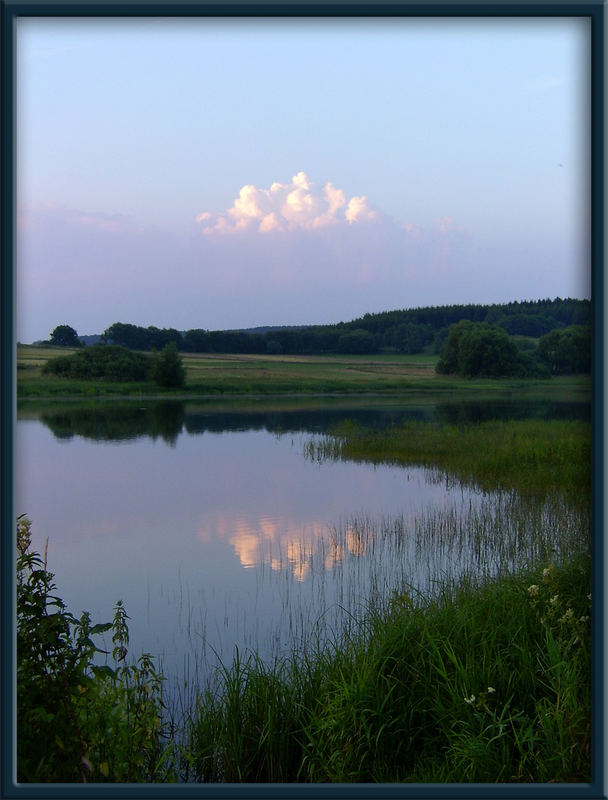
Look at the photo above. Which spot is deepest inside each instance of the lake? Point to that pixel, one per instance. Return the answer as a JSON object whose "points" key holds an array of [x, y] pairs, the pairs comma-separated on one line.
{"points": [[217, 531]]}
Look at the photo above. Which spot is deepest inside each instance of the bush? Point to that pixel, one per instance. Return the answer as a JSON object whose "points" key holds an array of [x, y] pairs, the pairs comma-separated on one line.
{"points": [[477, 349], [168, 369], [111, 362], [78, 720], [529, 365]]}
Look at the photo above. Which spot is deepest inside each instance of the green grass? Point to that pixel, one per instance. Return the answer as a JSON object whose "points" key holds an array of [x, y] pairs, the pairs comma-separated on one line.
{"points": [[208, 375], [485, 683], [531, 456]]}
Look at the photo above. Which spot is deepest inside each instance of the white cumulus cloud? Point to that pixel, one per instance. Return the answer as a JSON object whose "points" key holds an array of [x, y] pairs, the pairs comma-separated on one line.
{"points": [[298, 205]]}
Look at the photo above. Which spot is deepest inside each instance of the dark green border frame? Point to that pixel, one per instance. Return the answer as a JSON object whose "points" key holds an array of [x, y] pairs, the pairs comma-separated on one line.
{"points": [[10, 11]]}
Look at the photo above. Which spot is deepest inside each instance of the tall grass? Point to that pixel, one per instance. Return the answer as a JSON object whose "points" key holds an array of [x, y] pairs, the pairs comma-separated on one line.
{"points": [[483, 677], [485, 682], [532, 456]]}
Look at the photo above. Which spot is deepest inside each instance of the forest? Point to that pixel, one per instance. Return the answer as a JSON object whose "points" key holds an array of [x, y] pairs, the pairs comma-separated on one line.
{"points": [[407, 331], [532, 339]]}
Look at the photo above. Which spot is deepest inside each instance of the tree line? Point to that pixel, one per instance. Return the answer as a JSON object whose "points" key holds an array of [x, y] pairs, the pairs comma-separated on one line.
{"points": [[527, 339], [408, 331]]}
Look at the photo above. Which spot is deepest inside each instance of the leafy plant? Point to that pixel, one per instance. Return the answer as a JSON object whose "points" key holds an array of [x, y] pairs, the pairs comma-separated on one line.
{"points": [[79, 720]]}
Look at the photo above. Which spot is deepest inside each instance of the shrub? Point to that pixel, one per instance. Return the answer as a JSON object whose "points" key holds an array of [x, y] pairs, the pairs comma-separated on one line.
{"points": [[79, 720], [168, 369], [111, 362]]}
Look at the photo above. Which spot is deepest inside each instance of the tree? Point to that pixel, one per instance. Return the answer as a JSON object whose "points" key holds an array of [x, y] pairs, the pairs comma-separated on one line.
{"points": [[486, 350], [567, 350], [411, 338], [357, 341], [476, 349], [65, 336], [448, 358], [127, 335], [168, 369]]}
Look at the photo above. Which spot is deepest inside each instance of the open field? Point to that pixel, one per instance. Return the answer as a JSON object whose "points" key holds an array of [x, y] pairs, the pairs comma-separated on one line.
{"points": [[226, 374]]}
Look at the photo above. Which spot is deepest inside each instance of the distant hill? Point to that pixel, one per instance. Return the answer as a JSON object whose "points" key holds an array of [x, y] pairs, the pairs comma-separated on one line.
{"points": [[266, 329], [92, 338]]}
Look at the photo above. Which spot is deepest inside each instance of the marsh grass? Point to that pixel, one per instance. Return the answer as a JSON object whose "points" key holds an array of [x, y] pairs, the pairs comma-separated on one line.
{"points": [[482, 675], [499, 533], [532, 456], [487, 681]]}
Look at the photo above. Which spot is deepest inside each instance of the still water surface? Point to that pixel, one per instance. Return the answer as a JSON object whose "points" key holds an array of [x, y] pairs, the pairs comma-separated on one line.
{"points": [[216, 531]]}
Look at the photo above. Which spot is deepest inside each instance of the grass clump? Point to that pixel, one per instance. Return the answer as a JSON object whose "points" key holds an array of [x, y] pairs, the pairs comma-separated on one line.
{"points": [[532, 456], [79, 720], [485, 683]]}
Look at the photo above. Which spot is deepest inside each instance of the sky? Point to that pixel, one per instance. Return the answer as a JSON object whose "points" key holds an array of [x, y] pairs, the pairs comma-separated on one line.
{"points": [[230, 173]]}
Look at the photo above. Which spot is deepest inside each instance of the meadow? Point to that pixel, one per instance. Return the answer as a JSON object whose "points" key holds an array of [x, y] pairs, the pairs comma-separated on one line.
{"points": [[208, 374]]}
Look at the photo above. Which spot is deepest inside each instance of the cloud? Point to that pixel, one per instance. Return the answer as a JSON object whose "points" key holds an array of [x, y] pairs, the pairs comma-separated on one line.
{"points": [[298, 205], [290, 254]]}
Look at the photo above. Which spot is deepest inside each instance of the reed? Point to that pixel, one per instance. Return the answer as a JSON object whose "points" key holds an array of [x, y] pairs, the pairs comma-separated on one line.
{"points": [[485, 682], [532, 456], [482, 675]]}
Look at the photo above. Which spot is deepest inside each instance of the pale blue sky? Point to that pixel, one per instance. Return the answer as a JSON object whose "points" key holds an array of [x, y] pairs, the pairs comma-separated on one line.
{"points": [[467, 137]]}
